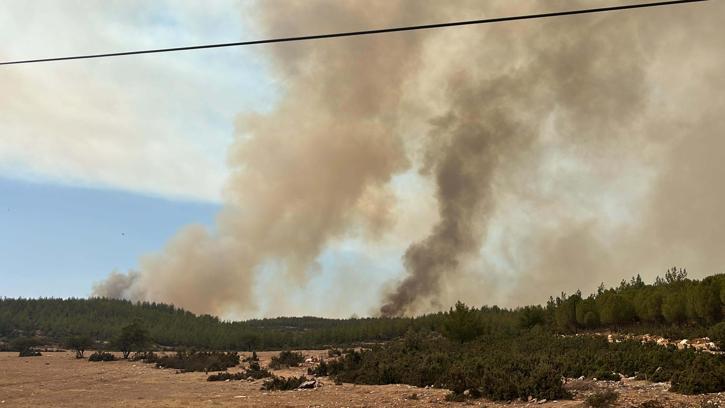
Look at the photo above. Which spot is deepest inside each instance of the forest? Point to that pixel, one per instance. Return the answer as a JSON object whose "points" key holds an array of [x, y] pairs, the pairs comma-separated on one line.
{"points": [[499, 353], [673, 306]]}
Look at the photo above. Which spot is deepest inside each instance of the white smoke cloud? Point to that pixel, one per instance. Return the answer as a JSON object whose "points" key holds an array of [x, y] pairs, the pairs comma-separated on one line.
{"points": [[158, 124]]}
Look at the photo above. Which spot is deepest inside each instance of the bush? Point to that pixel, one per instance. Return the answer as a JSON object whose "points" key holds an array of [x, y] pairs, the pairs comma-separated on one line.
{"points": [[521, 365], [717, 335], [133, 337], [224, 376], [283, 383], [25, 346], [252, 358], [148, 357], [101, 356], [320, 370], [455, 397], [334, 352], [286, 359], [706, 375], [79, 344], [505, 374], [188, 361], [601, 399], [255, 372]]}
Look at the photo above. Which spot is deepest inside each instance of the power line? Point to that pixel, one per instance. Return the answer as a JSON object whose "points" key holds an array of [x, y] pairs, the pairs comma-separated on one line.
{"points": [[359, 33]]}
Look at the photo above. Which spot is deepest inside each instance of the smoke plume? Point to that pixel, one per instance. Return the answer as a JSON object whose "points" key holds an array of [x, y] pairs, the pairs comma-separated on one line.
{"points": [[311, 170], [562, 153]]}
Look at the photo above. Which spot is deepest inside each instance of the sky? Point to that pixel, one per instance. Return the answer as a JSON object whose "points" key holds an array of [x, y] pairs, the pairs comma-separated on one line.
{"points": [[64, 237], [104, 161], [388, 174], [93, 150]]}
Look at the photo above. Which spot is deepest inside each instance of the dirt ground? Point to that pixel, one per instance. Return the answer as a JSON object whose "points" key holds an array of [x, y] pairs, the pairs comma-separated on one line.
{"points": [[59, 380]]}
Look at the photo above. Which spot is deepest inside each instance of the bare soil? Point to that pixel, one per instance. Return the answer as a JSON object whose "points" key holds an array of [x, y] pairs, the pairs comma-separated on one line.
{"points": [[60, 380]]}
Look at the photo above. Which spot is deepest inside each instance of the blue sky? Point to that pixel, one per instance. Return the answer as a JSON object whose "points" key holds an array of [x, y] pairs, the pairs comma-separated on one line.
{"points": [[57, 240]]}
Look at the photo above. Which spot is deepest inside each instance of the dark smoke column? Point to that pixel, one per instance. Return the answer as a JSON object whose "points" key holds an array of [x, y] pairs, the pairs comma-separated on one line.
{"points": [[464, 149]]}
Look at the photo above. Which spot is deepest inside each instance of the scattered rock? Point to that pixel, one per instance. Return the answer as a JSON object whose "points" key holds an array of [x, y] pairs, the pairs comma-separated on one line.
{"points": [[308, 385]]}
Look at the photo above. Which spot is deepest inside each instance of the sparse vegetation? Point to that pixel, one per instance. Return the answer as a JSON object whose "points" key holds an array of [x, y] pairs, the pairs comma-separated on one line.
{"points": [[601, 399], [188, 361], [320, 370], [254, 372], [25, 346], [79, 344], [148, 357], [133, 337], [283, 383], [286, 359], [101, 356], [252, 358], [225, 376]]}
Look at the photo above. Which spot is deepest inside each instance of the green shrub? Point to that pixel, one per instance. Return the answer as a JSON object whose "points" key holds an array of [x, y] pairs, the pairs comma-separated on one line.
{"points": [[133, 337], [601, 399], [188, 361], [148, 357], [705, 375], [320, 370], [256, 372], [283, 383], [79, 344], [455, 397], [286, 359], [717, 335], [503, 374], [224, 376], [25, 346], [514, 366], [101, 356]]}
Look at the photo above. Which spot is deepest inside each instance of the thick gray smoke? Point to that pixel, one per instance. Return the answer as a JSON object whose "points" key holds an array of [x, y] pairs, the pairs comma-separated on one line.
{"points": [[563, 152], [311, 170], [563, 69]]}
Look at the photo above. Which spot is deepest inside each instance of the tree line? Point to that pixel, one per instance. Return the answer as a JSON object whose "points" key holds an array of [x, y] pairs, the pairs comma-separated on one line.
{"points": [[673, 302]]}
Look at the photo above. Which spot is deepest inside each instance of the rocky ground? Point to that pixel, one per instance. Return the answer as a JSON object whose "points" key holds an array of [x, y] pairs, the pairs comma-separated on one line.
{"points": [[59, 380]]}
